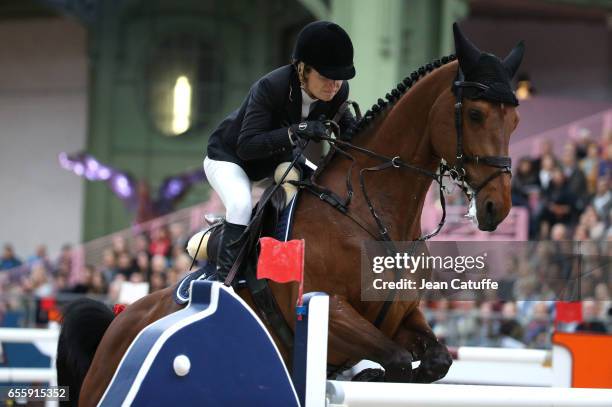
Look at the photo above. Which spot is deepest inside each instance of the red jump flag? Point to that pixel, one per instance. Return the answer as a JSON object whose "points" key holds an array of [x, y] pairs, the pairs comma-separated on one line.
{"points": [[281, 261], [568, 312]]}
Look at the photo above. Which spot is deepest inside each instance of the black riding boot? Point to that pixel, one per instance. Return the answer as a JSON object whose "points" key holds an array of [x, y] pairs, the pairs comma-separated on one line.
{"points": [[227, 255]]}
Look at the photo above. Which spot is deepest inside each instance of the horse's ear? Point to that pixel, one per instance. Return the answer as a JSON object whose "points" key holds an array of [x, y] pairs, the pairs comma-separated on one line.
{"points": [[514, 58], [467, 53]]}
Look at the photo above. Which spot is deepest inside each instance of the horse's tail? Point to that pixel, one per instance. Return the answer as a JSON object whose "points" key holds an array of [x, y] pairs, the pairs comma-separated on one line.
{"points": [[84, 324]]}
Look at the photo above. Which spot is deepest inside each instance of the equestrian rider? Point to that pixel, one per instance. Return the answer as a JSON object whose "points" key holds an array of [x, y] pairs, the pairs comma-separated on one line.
{"points": [[282, 110]]}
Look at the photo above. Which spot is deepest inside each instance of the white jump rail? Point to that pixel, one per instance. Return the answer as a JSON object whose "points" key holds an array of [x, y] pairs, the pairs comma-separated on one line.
{"points": [[482, 354], [45, 341], [355, 394], [28, 335], [27, 375]]}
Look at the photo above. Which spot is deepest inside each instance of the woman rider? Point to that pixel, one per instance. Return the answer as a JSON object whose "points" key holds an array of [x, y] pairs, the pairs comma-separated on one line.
{"points": [[282, 109]]}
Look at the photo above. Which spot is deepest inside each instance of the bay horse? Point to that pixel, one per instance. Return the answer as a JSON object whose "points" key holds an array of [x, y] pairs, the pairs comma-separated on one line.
{"points": [[426, 122]]}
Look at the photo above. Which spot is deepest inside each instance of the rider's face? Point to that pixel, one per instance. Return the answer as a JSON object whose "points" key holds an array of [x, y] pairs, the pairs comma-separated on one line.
{"points": [[321, 87]]}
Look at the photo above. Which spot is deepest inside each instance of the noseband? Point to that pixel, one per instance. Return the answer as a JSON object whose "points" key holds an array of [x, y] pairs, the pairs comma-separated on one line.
{"points": [[457, 171]]}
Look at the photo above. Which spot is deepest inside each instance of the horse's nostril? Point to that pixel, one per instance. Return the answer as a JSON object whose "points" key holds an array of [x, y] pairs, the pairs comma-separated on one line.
{"points": [[490, 208]]}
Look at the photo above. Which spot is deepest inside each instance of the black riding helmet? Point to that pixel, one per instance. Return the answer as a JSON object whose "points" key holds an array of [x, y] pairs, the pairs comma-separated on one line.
{"points": [[327, 48]]}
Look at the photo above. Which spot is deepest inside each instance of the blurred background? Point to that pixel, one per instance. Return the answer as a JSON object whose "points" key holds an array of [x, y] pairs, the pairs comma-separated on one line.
{"points": [[106, 108]]}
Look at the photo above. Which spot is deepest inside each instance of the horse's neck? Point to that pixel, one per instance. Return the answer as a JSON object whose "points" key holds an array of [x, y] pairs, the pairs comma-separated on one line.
{"points": [[399, 195]]}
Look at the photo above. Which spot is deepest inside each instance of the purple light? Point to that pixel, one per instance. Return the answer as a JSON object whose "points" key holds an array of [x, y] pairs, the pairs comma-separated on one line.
{"points": [[65, 161], [121, 186], [104, 173], [92, 164], [174, 187], [78, 169]]}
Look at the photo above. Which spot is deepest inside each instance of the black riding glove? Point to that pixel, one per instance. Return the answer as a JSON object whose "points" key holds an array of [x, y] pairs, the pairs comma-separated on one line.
{"points": [[309, 130]]}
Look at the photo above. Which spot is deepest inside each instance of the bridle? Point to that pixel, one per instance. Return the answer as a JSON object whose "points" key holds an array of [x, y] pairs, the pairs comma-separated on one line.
{"points": [[457, 171]]}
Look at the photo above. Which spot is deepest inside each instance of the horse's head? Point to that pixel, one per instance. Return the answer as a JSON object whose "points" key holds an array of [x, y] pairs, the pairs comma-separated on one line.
{"points": [[474, 141]]}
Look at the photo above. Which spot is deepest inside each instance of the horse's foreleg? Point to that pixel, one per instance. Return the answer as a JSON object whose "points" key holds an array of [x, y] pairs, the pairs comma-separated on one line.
{"points": [[415, 335], [353, 338]]}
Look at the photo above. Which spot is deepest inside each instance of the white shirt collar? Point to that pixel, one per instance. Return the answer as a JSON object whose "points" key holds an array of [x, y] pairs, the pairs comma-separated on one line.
{"points": [[306, 97]]}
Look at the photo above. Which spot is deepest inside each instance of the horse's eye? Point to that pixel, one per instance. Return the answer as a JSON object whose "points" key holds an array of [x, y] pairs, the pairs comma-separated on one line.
{"points": [[475, 115]]}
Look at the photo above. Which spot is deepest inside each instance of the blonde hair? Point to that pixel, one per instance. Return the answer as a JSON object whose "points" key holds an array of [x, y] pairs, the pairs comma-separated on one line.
{"points": [[303, 71]]}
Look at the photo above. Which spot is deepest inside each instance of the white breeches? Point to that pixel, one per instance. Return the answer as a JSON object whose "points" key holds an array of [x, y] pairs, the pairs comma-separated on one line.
{"points": [[234, 188]]}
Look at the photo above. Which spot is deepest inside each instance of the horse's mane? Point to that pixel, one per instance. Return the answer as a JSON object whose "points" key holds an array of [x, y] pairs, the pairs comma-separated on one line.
{"points": [[398, 91]]}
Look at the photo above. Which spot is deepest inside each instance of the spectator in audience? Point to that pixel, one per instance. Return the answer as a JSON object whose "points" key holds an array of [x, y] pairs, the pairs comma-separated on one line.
{"points": [[40, 256], [158, 282], [61, 285], [98, 284], [538, 327], [159, 264], [581, 233], [84, 286], [523, 183], [182, 263], [441, 323], [594, 225], [125, 265], [119, 245], [602, 201], [143, 264], [558, 233], [160, 243], [137, 277], [546, 167], [590, 318], [510, 330], [64, 262], [9, 260], [575, 179], [178, 236], [141, 243], [172, 276], [557, 203], [488, 327], [114, 288], [602, 295], [109, 265], [605, 165], [38, 282], [466, 321], [590, 166], [582, 143], [545, 149]]}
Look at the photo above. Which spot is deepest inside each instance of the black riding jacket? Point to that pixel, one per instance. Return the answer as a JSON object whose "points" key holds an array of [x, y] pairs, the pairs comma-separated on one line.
{"points": [[255, 135]]}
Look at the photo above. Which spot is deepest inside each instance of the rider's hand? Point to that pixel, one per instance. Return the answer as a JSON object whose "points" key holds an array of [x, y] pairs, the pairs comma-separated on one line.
{"points": [[309, 130]]}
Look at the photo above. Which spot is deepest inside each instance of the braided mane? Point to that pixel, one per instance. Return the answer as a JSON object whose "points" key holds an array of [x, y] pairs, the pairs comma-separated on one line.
{"points": [[396, 93]]}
